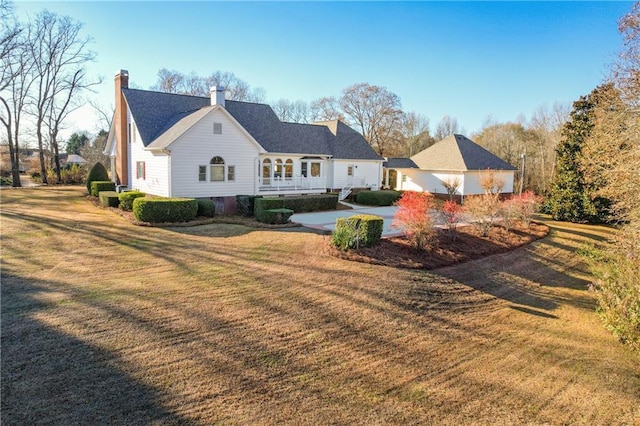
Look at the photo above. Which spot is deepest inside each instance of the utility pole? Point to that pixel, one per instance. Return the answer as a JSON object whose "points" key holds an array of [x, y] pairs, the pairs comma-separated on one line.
{"points": [[524, 157]]}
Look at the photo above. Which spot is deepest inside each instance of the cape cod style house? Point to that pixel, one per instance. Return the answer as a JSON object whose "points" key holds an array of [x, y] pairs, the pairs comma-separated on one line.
{"points": [[207, 147], [455, 158]]}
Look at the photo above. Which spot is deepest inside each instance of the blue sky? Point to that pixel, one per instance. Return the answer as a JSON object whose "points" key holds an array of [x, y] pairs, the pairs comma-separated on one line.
{"points": [[469, 60]]}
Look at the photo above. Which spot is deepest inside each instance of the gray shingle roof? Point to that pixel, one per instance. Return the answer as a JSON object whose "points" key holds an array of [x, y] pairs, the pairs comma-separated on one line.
{"points": [[457, 152], [161, 117], [400, 163]]}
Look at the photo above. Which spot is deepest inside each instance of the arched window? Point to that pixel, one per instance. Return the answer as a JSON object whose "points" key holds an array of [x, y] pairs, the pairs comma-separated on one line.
{"points": [[277, 170], [266, 171], [288, 169], [216, 166]]}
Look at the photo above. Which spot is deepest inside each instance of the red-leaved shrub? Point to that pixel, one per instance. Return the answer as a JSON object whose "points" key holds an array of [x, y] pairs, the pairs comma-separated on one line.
{"points": [[413, 217], [451, 212]]}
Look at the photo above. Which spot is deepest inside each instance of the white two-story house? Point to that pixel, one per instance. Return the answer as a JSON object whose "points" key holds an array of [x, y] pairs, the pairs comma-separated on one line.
{"points": [[207, 147]]}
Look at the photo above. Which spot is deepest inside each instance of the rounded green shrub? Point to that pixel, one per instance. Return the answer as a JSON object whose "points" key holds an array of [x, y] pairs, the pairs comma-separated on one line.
{"points": [[109, 199], [126, 199], [299, 204], [361, 230], [206, 207], [162, 210], [97, 186], [97, 173], [246, 203], [377, 198], [274, 216]]}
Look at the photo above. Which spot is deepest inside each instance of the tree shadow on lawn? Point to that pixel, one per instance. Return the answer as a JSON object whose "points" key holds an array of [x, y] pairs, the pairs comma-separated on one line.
{"points": [[496, 265], [51, 377], [541, 275]]}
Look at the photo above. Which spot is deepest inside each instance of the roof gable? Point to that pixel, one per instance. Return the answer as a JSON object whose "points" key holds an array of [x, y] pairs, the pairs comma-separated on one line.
{"points": [[156, 112], [457, 152]]}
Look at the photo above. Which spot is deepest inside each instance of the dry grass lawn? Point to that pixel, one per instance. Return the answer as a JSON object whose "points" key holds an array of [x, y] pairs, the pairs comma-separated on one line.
{"points": [[106, 322]]}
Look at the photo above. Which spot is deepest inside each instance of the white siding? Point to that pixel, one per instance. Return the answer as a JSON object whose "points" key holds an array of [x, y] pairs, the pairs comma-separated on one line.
{"points": [[365, 173], [198, 145], [156, 180], [472, 181], [424, 180]]}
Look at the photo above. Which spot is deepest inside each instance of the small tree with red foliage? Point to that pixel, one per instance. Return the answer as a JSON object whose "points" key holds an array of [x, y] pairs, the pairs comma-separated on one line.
{"points": [[451, 212], [413, 217]]}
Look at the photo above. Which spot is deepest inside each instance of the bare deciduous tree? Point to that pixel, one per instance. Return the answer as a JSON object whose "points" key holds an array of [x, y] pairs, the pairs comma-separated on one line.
{"points": [[414, 134], [171, 81], [59, 54], [447, 126], [105, 115], [375, 111], [326, 109], [293, 112], [12, 83]]}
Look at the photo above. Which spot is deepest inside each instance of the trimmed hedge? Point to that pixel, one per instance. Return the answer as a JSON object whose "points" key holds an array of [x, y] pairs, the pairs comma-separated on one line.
{"points": [[246, 204], [377, 198], [274, 216], [98, 186], [361, 230], [126, 199], [97, 173], [301, 204], [206, 207], [159, 210], [109, 199]]}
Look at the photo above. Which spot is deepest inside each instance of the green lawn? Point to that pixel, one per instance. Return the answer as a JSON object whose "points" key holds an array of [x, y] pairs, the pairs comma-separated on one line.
{"points": [[106, 322]]}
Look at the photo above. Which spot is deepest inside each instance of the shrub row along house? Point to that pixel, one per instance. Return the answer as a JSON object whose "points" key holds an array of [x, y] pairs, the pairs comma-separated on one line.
{"points": [[175, 145], [189, 146]]}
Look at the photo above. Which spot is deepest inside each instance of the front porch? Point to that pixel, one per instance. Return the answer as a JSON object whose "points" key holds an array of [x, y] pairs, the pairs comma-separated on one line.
{"points": [[291, 186]]}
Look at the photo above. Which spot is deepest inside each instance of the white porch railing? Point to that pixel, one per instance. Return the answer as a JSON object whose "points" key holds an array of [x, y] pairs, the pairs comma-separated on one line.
{"points": [[358, 182], [292, 184]]}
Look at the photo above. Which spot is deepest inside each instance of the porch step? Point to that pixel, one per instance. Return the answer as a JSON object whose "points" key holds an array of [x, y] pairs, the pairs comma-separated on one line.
{"points": [[344, 193]]}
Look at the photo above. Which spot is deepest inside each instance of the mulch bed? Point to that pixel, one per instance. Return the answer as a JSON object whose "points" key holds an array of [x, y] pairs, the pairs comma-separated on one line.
{"points": [[468, 245]]}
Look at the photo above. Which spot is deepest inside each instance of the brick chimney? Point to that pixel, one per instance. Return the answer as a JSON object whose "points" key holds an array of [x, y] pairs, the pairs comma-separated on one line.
{"points": [[217, 95], [120, 123]]}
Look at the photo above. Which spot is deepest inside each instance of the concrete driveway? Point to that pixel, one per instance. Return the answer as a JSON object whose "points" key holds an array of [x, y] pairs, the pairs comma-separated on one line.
{"points": [[326, 221]]}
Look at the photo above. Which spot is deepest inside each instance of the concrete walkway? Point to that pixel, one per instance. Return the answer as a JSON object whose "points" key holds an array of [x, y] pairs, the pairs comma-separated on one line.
{"points": [[326, 221]]}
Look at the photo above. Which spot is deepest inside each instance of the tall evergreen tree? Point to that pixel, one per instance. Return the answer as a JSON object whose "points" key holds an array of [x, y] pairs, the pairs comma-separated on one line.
{"points": [[76, 142], [571, 198]]}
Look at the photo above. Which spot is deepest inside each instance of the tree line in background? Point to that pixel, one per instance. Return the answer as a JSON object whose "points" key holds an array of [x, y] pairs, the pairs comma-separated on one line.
{"points": [[42, 78], [377, 114], [373, 110]]}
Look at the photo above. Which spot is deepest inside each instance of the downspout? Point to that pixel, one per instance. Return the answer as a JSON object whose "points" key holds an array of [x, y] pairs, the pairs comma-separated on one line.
{"points": [[170, 175], [167, 152], [256, 175]]}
